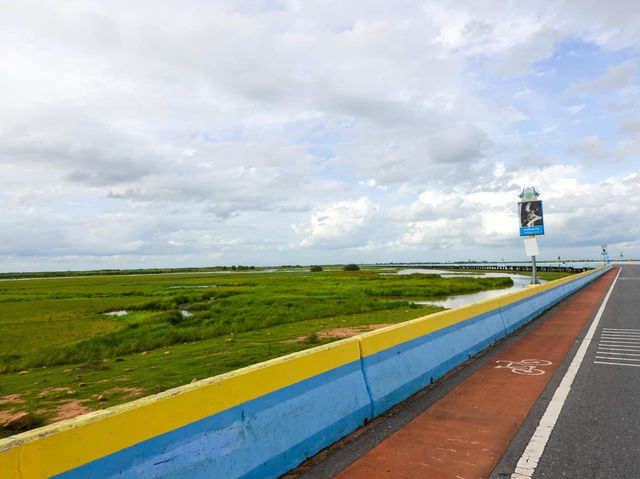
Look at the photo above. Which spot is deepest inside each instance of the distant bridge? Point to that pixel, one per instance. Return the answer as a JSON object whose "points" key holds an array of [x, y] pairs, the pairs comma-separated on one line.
{"points": [[506, 267]]}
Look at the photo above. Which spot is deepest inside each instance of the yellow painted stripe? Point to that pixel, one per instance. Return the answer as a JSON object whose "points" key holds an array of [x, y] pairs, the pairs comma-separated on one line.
{"points": [[63, 446], [381, 339], [9, 462], [375, 341]]}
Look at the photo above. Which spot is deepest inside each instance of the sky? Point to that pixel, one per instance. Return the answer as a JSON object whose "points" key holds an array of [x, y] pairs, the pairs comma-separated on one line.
{"points": [[185, 134]]}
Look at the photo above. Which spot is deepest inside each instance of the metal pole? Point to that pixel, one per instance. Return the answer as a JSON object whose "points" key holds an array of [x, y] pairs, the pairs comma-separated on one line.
{"points": [[534, 279]]}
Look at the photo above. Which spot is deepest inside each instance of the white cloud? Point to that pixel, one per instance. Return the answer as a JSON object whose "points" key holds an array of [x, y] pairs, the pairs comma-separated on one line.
{"points": [[616, 76], [631, 127], [164, 134], [591, 150], [342, 224], [575, 108]]}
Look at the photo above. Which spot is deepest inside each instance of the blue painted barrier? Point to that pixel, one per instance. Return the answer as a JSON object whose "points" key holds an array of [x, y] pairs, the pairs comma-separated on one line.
{"points": [[398, 365]]}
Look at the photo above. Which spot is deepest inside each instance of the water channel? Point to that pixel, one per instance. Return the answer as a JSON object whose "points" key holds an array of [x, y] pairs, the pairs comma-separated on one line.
{"points": [[519, 282]]}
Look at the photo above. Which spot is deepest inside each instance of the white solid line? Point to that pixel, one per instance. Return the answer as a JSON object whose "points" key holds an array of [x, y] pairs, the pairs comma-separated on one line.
{"points": [[620, 338], [599, 351], [616, 364], [619, 359], [621, 335], [618, 345], [533, 452], [621, 348], [624, 338], [621, 341], [631, 336], [620, 330]]}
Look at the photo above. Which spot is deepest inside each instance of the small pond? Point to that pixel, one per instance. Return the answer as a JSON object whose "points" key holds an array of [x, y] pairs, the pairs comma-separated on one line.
{"points": [[122, 312]]}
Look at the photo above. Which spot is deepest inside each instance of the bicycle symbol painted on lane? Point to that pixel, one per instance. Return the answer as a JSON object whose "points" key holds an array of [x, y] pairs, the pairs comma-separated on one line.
{"points": [[525, 367]]}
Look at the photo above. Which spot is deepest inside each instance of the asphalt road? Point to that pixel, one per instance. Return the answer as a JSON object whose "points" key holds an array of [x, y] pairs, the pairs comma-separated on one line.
{"points": [[597, 433]]}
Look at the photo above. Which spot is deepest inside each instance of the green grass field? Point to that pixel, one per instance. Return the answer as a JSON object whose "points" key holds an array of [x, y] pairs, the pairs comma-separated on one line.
{"points": [[60, 354]]}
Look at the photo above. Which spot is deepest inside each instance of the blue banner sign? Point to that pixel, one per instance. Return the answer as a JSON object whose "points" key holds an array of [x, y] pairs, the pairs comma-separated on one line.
{"points": [[531, 222]]}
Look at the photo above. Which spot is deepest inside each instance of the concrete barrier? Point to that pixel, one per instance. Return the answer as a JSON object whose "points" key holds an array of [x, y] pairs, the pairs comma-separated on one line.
{"points": [[520, 307], [255, 422], [263, 420], [400, 360]]}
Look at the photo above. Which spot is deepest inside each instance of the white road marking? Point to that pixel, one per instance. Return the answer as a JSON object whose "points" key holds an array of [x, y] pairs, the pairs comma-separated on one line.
{"points": [[618, 345], [623, 340], [615, 343], [616, 331], [618, 359], [618, 353], [619, 338], [621, 335], [617, 364], [621, 348], [524, 366], [533, 452]]}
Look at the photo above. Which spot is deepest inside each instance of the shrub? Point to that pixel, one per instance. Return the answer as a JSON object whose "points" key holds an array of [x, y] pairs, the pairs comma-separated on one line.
{"points": [[175, 317], [315, 268], [351, 267], [312, 339]]}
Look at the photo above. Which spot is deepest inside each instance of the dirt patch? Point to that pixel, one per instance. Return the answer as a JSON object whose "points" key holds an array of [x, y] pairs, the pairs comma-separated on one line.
{"points": [[124, 392], [341, 333], [348, 332], [48, 391], [11, 399], [68, 410], [6, 416]]}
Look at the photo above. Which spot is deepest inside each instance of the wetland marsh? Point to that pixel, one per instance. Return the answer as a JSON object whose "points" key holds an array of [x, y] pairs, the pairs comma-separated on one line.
{"points": [[62, 353]]}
